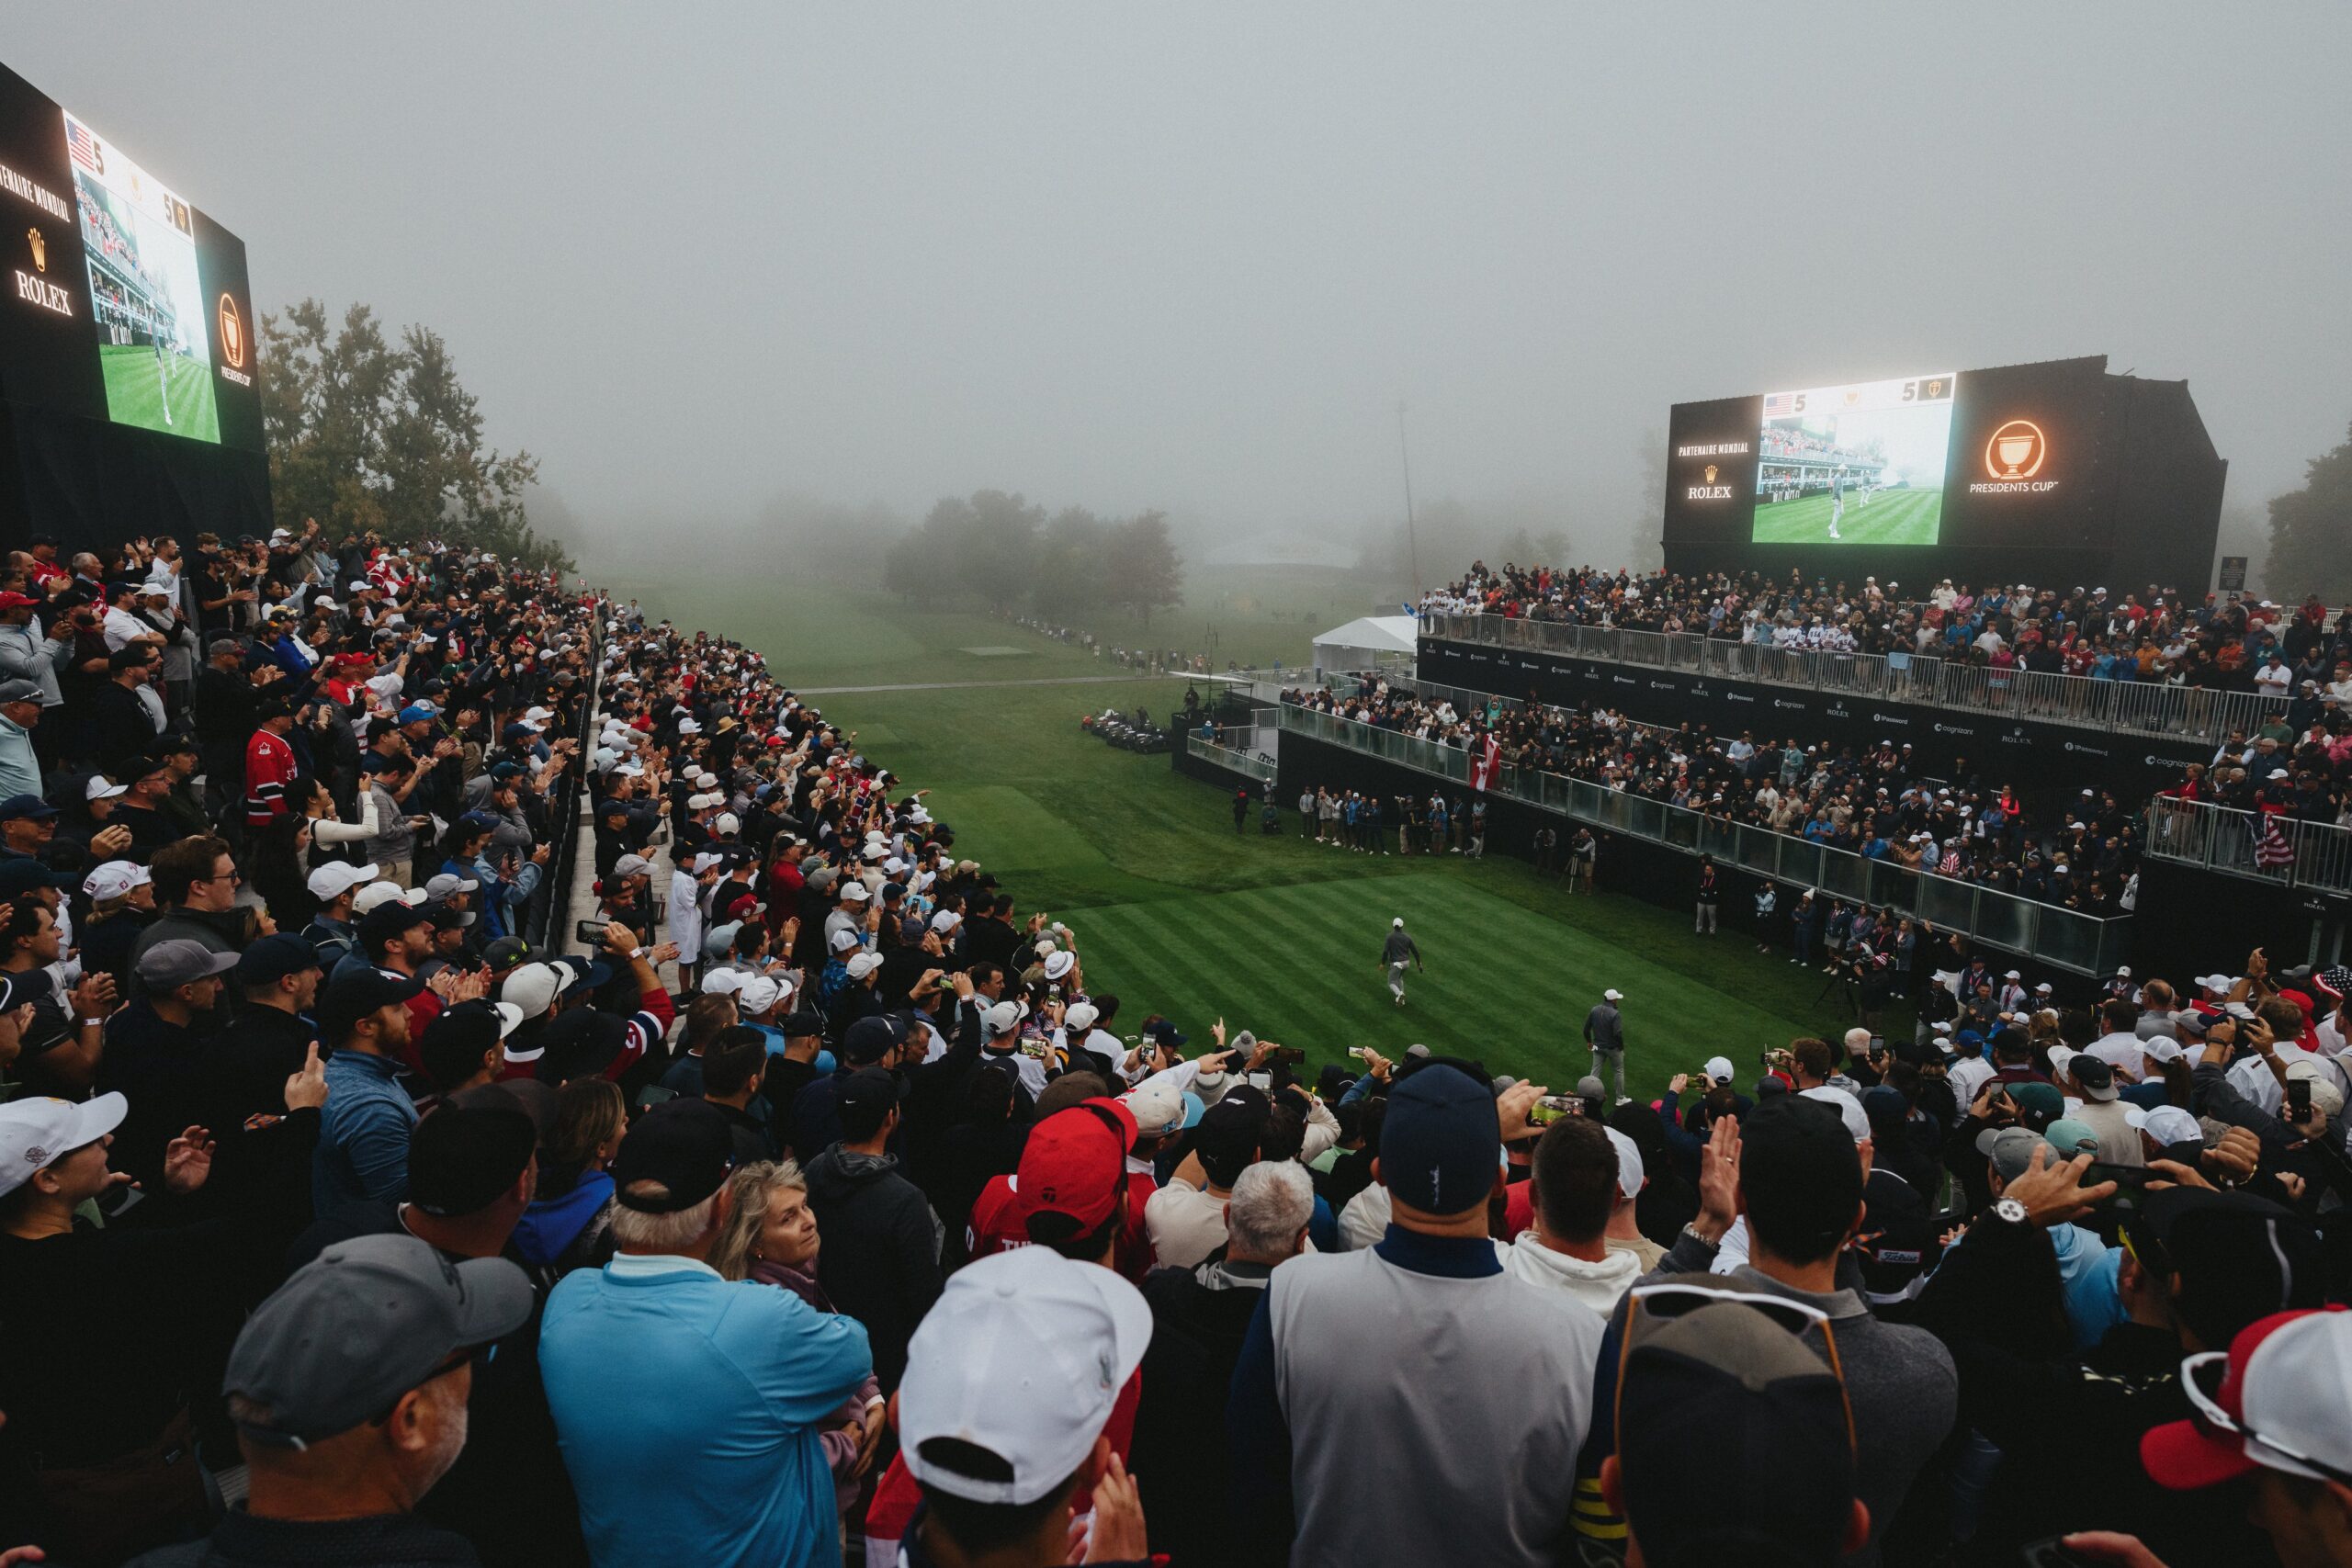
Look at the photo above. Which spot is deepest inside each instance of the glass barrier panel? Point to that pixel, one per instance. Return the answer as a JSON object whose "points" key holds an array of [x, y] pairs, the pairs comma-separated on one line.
{"points": [[1948, 904], [2008, 921], [1841, 874]]}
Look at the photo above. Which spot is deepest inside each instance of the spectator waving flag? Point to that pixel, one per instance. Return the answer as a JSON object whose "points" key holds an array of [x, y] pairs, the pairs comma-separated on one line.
{"points": [[2272, 849], [1482, 770]]}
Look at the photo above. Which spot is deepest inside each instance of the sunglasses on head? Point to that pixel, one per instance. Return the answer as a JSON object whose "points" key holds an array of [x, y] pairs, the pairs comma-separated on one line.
{"points": [[1664, 1303], [2201, 1376]]}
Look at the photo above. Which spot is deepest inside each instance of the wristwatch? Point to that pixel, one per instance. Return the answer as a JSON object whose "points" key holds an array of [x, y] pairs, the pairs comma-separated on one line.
{"points": [[2009, 1212]]}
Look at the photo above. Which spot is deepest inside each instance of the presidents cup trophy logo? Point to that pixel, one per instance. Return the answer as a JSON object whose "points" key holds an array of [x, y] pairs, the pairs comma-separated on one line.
{"points": [[41, 264], [233, 334], [1935, 387], [2016, 450], [1711, 468]]}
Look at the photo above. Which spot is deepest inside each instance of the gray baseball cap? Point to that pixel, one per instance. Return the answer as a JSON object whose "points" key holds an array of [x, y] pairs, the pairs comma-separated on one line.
{"points": [[178, 962], [2010, 1149], [341, 1341], [19, 691]]}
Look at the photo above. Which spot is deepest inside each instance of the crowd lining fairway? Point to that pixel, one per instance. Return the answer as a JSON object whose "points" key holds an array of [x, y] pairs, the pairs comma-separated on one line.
{"points": [[1893, 517], [1175, 912], [135, 396]]}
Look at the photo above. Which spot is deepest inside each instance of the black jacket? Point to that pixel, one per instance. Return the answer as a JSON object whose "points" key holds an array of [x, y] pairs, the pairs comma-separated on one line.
{"points": [[379, 1540], [1199, 1318], [879, 1260]]}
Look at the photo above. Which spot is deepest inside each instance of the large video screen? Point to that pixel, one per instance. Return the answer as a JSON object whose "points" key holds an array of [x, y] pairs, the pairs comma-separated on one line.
{"points": [[138, 242], [125, 303], [1859, 465]]}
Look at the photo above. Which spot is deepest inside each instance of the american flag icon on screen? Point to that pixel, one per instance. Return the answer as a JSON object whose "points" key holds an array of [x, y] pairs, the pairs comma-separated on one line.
{"points": [[82, 144], [1780, 405]]}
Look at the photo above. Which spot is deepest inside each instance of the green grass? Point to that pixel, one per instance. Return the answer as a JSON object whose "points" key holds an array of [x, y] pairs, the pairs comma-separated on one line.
{"points": [[1893, 517], [1176, 913], [135, 393]]}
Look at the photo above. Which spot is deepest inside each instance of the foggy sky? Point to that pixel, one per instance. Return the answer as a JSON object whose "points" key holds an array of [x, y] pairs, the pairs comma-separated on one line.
{"points": [[1192, 257]]}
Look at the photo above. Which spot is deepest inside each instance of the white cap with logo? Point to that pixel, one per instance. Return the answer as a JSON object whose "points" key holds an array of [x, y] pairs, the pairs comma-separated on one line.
{"points": [[35, 1133], [1022, 1356]]}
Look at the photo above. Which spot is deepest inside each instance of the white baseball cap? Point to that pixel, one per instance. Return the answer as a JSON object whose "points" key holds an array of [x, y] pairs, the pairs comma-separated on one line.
{"points": [[945, 920], [854, 892], [1846, 1105], [1631, 1176], [860, 966], [379, 893], [98, 788], [114, 879], [1023, 1355], [1081, 1016], [533, 987], [1003, 1018], [1398, 923], [333, 879], [2168, 1124], [1160, 1108], [1612, 995], [1720, 1069], [844, 940], [723, 982], [726, 824], [35, 1133], [758, 993]]}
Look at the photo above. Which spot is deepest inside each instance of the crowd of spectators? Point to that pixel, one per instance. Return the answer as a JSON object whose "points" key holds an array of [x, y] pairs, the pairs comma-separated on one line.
{"points": [[1878, 803], [823, 1209], [2230, 642]]}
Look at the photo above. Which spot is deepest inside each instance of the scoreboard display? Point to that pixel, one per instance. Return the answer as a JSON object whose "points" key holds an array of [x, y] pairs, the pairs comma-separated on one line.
{"points": [[123, 301], [1953, 457]]}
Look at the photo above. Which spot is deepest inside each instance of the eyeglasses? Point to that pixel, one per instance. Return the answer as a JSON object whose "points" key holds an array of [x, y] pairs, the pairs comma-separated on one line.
{"points": [[1666, 1302], [2212, 1366]]}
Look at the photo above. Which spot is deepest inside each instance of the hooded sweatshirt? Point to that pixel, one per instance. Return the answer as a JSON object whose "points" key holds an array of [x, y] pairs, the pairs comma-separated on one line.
{"points": [[1597, 1285], [879, 1259]]}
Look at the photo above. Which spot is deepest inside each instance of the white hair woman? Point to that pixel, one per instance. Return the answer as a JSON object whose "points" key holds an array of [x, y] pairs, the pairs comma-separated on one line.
{"points": [[771, 1238]]}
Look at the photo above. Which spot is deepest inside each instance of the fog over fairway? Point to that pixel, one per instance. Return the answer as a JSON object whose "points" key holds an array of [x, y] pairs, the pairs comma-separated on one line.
{"points": [[1192, 258]]}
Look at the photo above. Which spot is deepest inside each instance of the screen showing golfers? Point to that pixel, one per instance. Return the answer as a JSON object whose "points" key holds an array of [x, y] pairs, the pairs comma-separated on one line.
{"points": [[1854, 465], [138, 242], [125, 302]]}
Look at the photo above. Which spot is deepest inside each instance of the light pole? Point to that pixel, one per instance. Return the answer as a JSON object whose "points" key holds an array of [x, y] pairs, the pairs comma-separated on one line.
{"points": [[1412, 543]]}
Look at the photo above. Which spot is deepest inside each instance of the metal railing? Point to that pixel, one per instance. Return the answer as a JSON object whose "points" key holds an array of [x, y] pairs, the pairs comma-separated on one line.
{"points": [[1255, 766], [2147, 707], [544, 925], [2065, 939], [2223, 839]]}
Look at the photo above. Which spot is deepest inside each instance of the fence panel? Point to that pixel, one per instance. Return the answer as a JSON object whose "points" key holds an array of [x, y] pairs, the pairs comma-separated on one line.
{"points": [[2144, 708]]}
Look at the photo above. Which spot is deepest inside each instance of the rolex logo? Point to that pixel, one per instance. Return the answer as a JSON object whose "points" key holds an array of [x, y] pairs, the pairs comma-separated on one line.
{"points": [[1711, 473], [40, 248]]}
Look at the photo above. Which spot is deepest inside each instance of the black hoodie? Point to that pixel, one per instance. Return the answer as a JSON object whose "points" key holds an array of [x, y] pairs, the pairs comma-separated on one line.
{"points": [[878, 1249]]}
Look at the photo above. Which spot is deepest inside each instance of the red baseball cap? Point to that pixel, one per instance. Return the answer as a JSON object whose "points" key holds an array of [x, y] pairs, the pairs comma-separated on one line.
{"points": [[2283, 1398], [1074, 1164]]}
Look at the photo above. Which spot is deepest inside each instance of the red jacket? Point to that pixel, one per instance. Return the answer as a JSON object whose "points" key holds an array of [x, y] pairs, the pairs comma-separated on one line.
{"points": [[269, 767]]}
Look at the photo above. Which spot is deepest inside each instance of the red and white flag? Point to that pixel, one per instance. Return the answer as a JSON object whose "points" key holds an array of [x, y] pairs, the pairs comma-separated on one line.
{"points": [[1481, 769]]}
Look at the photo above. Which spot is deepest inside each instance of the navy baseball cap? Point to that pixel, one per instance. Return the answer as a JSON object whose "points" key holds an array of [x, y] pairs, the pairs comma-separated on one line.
{"points": [[22, 873], [1440, 1147], [273, 957], [25, 806]]}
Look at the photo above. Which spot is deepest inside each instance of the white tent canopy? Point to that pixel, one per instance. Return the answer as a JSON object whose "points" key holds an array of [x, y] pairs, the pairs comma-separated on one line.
{"points": [[1366, 642]]}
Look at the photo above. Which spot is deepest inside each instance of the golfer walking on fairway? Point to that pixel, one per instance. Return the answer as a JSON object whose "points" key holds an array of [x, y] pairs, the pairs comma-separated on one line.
{"points": [[1604, 1033], [1397, 951]]}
